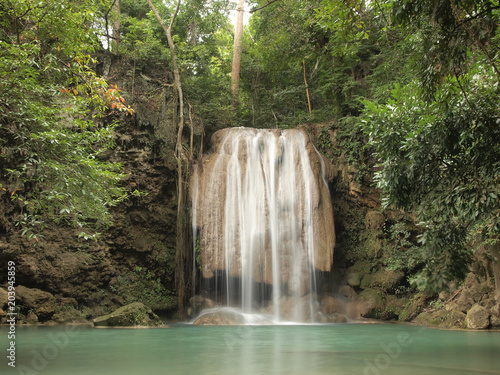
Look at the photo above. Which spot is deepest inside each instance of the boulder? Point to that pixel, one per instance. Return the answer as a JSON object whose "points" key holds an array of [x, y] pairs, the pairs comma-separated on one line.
{"points": [[131, 315], [220, 317], [442, 318], [331, 305], [354, 278], [347, 292], [374, 302], [455, 318], [432, 318], [42, 304], [495, 319], [478, 317], [465, 301], [385, 279], [337, 318]]}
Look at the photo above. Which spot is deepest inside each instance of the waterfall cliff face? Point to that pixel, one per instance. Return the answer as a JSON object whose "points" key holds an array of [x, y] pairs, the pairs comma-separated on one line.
{"points": [[263, 221]]}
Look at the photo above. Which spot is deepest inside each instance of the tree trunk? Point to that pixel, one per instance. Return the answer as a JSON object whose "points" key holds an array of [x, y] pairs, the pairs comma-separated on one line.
{"points": [[307, 87], [181, 235], [236, 66], [116, 26]]}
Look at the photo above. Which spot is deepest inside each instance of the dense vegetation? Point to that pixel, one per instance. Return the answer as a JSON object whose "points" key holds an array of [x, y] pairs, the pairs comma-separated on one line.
{"points": [[412, 83]]}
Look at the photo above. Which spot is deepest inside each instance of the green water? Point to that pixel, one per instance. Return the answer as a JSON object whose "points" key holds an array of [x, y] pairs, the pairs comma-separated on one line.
{"points": [[296, 349]]}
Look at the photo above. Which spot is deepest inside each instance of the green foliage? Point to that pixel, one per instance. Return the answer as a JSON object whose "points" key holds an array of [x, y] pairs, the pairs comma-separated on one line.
{"points": [[142, 286], [402, 251], [141, 38], [441, 160], [51, 100]]}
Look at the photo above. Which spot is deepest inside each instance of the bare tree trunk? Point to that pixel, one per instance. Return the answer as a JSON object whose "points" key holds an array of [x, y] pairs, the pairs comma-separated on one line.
{"points": [[180, 252], [236, 66], [116, 25], [307, 87]]}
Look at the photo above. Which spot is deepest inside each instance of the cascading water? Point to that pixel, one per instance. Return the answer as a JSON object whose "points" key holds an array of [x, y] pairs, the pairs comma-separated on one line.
{"points": [[263, 222]]}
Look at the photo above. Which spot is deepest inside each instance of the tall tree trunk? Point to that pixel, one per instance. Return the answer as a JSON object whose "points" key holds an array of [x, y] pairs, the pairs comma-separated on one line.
{"points": [[181, 235], [116, 26], [307, 87], [236, 66]]}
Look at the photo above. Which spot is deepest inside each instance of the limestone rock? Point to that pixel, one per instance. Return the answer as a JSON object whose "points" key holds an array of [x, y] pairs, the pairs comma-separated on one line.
{"points": [[374, 302], [427, 318], [347, 291], [355, 309], [478, 317], [384, 279], [222, 317], [134, 314], [337, 318], [331, 305], [454, 319], [495, 318], [366, 281], [32, 318], [465, 300], [42, 304], [354, 278]]}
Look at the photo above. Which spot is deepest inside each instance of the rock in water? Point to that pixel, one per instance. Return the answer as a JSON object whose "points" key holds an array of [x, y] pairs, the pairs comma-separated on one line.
{"points": [[221, 317], [131, 315]]}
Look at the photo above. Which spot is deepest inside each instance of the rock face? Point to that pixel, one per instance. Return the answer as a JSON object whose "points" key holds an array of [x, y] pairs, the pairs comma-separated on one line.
{"points": [[137, 253], [262, 210], [134, 314]]}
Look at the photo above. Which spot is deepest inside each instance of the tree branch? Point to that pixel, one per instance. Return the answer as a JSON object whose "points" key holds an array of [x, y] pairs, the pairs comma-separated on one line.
{"points": [[263, 6]]}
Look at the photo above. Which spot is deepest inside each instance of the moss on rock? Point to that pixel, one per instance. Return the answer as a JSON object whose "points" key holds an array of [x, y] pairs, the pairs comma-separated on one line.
{"points": [[134, 314]]}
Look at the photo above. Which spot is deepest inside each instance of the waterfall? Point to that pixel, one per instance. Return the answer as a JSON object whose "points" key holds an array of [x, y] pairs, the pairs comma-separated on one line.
{"points": [[263, 222]]}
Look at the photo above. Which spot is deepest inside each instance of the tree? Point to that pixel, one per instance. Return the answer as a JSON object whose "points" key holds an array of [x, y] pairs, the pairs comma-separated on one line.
{"points": [[431, 117], [236, 65], [182, 160], [56, 117], [439, 160]]}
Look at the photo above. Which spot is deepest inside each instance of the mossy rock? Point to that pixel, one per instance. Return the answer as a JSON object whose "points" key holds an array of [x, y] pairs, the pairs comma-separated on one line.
{"points": [[374, 302], [435, 318], [354, 278], [356, 272], [68, 314], [134, 314], [414, 307], [384, 279], [221, 317], [442, 318], [393, 307]]}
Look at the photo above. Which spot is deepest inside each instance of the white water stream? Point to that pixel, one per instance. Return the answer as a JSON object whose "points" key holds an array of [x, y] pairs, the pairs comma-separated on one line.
{"points": [[257, 206]]}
